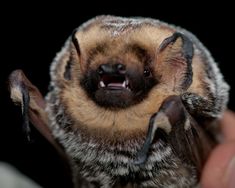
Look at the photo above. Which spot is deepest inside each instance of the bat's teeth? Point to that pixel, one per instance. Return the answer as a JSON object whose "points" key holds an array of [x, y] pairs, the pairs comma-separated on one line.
{"points": [[127, 84], [102, 84], [124, 84]]}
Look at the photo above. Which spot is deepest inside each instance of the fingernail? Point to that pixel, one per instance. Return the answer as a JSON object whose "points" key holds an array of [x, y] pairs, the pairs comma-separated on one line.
{"points": [[230, 174]]}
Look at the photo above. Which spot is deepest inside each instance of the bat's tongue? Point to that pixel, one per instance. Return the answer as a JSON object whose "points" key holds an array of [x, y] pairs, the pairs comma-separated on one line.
{"points": [[114, 82]]}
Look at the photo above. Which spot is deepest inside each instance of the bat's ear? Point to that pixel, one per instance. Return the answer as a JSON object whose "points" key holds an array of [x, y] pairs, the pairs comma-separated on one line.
{"points": [[174, 59], [33, 105], [67, 64]]}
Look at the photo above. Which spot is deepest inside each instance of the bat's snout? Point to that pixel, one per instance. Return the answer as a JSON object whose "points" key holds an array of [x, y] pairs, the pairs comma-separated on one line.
{"points": [[109, 68], [113, 76]]}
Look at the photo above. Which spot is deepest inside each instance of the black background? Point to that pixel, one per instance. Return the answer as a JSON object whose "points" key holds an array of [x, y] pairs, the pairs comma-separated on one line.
{"points": [[33, 33]]}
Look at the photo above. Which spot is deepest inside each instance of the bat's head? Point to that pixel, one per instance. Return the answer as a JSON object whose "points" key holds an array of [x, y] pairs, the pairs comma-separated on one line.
{"points": [[117, 62], [117, 74]]}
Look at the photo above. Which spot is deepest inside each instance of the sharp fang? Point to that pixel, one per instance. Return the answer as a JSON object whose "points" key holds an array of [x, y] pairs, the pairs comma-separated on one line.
{"points": [[127, 82], [102, 84], [124, 84]]}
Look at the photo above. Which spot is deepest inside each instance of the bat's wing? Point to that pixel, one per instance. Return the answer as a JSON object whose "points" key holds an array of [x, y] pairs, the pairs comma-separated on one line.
{"points": [[187, 139], [33, 105]]}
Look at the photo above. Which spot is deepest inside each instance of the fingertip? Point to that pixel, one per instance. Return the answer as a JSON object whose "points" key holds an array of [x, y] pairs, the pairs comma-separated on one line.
{"points": [[216, 167], [228, 125]]}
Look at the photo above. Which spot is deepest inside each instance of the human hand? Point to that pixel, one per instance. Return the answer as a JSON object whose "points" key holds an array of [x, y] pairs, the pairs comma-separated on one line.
{"points": [[219, 171]]}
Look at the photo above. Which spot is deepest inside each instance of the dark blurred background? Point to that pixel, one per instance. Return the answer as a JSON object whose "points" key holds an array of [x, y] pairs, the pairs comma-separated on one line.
{"points": [[33, 33]]}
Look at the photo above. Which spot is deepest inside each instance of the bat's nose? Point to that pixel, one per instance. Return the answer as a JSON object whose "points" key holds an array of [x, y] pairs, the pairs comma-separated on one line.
{"points": [[109, 68]]}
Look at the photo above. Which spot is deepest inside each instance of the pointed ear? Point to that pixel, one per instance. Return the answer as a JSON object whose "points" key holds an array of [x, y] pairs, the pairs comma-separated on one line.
{"points": [[174, 59], [64, 62], [33, 105], [66, 65]]}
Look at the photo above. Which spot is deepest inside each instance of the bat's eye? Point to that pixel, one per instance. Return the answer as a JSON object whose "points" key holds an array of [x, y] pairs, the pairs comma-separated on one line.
{"points": [[147, 72]]}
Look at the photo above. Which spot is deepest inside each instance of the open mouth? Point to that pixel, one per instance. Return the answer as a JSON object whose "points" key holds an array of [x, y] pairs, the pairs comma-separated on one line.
{"points": [[114, 82]]}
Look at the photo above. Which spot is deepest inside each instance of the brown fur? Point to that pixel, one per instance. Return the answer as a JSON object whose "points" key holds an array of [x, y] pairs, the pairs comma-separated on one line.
{"points": [[86, 112]]}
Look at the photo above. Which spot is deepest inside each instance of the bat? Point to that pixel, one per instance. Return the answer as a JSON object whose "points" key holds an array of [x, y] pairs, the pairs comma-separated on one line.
{"points": [[133, 102]]}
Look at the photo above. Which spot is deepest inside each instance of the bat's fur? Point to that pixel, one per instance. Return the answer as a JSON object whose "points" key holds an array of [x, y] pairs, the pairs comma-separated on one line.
{"points": [[101, 135]]}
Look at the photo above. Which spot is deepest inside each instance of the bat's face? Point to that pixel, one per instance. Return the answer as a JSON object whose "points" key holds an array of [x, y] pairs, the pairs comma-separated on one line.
{"points": [[117, 71], [119, 78], [119, 68]]}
